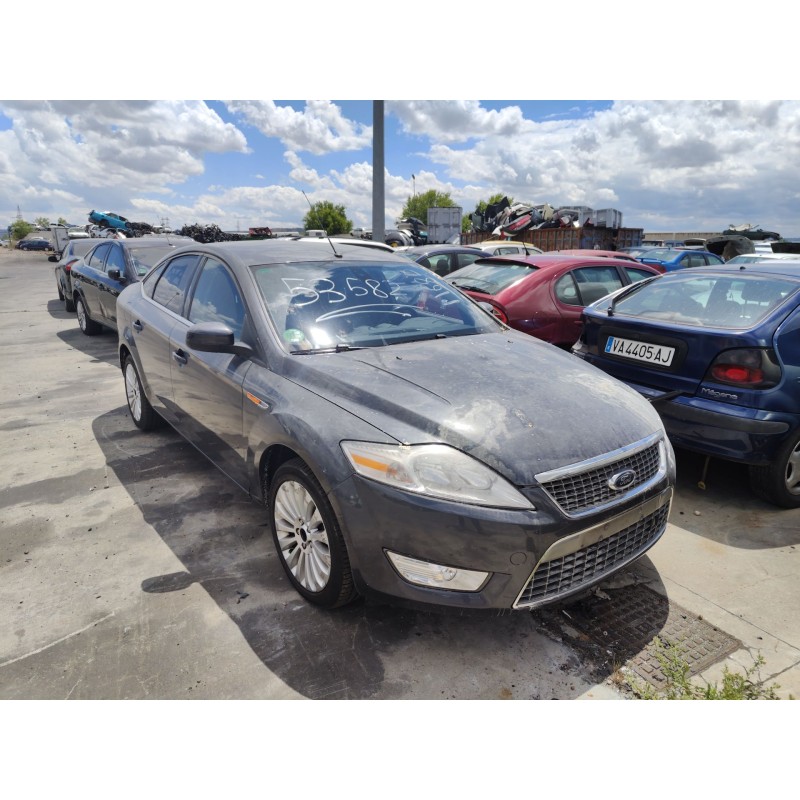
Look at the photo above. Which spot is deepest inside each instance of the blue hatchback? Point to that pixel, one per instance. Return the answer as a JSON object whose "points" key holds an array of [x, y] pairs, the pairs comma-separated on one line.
{"points": [[674, 258], [717, 352]]}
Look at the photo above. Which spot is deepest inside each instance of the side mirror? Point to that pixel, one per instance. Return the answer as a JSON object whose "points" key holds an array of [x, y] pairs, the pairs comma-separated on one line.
{"points": [[215, 337], [116, 275]]}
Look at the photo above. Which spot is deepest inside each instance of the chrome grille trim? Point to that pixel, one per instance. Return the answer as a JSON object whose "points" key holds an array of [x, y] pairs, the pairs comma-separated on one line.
{"points": [[585, 558], [583, 488]]}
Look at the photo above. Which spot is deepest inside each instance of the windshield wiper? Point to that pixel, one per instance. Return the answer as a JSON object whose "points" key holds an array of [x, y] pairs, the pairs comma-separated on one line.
{"points": [[625, 292], [339, 348]]}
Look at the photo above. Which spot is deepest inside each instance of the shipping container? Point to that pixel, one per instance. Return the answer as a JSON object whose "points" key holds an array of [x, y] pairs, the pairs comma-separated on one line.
{"points": [[571, 238], [443, 223], [608, 218]]}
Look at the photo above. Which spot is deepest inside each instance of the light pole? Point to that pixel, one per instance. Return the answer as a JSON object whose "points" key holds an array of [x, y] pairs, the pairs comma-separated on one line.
{"points": [[414, 184]]}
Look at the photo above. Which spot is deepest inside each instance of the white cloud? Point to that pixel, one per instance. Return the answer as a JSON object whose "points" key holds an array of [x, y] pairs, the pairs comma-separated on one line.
{"points": [[320, 128]]}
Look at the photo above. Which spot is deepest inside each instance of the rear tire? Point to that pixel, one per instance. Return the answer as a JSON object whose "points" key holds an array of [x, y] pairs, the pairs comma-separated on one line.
{"points": [[307, 537], [69, 303], [779, 482], [86, 323], [60, 291]]}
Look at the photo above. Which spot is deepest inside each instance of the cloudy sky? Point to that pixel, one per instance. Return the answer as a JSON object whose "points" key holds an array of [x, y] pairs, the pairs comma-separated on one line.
{"points": [[674, 164]]}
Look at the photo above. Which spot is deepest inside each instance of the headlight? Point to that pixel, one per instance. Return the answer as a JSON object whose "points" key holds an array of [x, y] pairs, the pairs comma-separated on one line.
{"points": [[435, 470]]}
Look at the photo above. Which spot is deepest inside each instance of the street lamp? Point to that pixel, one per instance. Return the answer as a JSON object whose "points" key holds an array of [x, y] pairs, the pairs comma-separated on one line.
{"points": [[414, 183]]}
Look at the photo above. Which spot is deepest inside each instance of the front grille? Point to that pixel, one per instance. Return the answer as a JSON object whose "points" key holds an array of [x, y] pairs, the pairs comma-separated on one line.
{"points": [[586, 490], [571, 572]]}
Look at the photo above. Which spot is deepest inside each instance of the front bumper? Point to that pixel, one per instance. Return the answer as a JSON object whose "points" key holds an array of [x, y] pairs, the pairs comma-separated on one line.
{"points": [[533, 558]]}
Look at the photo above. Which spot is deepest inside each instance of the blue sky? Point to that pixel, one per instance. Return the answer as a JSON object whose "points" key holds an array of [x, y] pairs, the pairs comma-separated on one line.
{"points": [[689, 161]]}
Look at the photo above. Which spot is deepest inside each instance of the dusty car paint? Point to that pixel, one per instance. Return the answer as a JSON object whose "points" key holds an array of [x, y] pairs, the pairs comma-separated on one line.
{"points": [[519, 406]]}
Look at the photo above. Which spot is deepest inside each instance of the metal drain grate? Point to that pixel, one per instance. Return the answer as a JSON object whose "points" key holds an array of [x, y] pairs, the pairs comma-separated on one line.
{"points": [[628, 623]]}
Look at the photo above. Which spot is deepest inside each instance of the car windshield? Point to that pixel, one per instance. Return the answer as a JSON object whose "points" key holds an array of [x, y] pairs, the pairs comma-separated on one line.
{"points": [[489, 277], [713, 301], [321, 307], [661, 253], [144, 258]]}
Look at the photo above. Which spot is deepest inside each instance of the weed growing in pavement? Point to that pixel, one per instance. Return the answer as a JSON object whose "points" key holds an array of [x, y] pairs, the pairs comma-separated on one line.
{"points": [[678, 685]]}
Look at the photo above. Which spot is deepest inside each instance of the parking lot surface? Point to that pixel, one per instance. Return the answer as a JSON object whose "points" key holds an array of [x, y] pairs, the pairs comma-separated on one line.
{"points": [[131, 568]]}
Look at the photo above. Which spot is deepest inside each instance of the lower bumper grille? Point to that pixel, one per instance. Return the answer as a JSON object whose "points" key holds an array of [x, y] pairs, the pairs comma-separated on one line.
{"points": [[569, 573]]}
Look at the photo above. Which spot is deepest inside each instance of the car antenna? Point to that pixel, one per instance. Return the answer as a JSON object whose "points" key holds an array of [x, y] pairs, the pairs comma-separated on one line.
{"points": [[338, 255]]}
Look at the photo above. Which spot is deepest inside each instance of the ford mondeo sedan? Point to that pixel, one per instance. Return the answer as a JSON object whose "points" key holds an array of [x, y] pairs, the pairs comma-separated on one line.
{"points": [[406, 444]]}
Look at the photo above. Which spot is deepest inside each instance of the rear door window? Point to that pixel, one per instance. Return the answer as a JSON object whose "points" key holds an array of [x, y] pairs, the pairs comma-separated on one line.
{"points": [[173, 281]]}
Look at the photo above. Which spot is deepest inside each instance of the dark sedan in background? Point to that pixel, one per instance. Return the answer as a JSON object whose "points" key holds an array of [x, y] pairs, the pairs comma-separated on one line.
{"points": [[71, 255], [544, 295], [717, 351], [442, 259], [111, 265], [35, 244], [405, 443]]}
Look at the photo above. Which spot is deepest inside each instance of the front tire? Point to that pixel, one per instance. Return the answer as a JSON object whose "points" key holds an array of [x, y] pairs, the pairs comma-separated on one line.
{"points": [[779, 482], [308, 538], [86, 323], [142, 413]]}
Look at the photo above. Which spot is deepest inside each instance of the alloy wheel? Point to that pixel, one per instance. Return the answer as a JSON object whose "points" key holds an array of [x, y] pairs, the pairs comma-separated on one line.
{"points": [[302, 538]]}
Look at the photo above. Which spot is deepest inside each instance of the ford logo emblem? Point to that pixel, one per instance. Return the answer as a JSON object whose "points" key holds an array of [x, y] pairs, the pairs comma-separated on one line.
{"points": [[622, 480]]}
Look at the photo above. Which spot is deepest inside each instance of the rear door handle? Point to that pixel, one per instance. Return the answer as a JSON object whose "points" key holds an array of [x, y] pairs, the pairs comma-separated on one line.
{"points": [[180, 357], [137, 326]]}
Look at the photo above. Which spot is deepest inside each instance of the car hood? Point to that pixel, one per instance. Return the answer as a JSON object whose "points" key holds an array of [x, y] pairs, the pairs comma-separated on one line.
{"points": [[520, 405]]}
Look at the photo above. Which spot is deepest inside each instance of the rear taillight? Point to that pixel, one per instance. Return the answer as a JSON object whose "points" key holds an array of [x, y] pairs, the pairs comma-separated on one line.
{"points": [[748, 368], [68, 265], [500, 314]]}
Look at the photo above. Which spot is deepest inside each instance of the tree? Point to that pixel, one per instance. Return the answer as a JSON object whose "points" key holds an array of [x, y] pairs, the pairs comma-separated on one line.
{"points": [[327, 217], [418, 205], [20, 229], [62, 221], [42, 222]]}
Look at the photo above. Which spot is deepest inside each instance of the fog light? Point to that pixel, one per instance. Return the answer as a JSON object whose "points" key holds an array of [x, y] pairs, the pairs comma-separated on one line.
{"points": [[439, 576]]}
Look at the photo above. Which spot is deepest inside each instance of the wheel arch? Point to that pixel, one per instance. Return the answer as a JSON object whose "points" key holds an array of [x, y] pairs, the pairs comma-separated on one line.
{"points": [[271, 459]]}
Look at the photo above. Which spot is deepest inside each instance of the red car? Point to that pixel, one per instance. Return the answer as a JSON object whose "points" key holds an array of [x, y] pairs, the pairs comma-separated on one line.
{"points": [[604, 254], [544, 295]]}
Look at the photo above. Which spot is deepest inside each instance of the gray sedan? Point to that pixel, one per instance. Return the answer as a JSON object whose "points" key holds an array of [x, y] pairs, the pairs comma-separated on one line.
{"points": [[405, 443]]}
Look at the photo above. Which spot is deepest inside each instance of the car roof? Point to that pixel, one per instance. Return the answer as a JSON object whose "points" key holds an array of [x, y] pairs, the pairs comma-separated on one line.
{"points": [[551, 261], [778, 267], [353, 240], [424, 249], [602, 253], [146, 241], [286, 250]]}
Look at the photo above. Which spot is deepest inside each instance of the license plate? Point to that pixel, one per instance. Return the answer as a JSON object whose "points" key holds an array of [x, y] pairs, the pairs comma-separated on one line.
{"points": [[640, 351]]}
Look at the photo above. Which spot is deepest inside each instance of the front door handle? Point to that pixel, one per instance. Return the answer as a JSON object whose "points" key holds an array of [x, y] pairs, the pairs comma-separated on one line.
{"points": [[137, 326], [180, 357]]}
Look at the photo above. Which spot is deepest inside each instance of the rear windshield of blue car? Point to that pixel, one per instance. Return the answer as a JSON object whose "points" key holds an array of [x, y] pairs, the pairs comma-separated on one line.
{"points": [[714, 301], [320, 306]]}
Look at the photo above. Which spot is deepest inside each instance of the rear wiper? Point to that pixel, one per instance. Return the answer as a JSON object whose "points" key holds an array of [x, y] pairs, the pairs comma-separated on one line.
{"points": [[468, 287], [339, 348], [625, 292]]}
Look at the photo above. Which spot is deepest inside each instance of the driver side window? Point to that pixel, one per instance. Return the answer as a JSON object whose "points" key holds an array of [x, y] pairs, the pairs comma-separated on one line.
{"points": [[216, 298]]}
